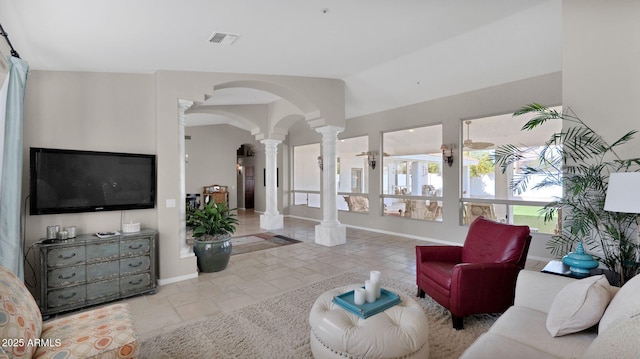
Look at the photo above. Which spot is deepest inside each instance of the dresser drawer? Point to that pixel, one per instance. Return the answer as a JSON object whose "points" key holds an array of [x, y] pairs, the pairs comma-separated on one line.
{"points": [[59, 257], [135, 247], [102, 251], [64, 297], [103, 290], [134, 265], [65, 276], [103, 270], [135, 283]]}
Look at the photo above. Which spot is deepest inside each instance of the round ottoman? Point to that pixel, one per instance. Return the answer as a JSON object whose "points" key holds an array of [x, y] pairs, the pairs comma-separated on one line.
{"points": [[399, 332]]}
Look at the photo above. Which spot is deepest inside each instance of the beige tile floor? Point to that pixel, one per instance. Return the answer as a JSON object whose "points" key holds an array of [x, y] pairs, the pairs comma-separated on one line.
{"points": [[252, 277]]}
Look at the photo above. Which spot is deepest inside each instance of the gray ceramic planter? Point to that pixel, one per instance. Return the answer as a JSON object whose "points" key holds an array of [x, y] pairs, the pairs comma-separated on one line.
{"points": [[213, 253]]}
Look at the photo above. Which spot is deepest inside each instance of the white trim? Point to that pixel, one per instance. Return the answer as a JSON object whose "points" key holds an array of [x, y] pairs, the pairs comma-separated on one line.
{"points": [[187, 252], [305, 218], [426, 239], [177, 279]]}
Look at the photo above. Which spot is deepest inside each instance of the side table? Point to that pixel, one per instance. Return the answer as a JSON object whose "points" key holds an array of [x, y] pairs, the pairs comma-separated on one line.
{"points": [[558, 268]]}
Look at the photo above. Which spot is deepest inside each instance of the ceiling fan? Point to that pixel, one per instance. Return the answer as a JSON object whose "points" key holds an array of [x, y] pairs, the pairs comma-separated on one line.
{"points": [[368, 153], [473, 144]]}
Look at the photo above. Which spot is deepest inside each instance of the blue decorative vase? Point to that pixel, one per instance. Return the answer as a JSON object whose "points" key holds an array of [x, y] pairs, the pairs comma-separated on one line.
{"points": [[580, 263]]}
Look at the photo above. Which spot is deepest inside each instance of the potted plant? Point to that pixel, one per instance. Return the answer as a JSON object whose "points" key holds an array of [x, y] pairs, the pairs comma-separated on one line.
{"points": [[213, 226], [585, 160]]}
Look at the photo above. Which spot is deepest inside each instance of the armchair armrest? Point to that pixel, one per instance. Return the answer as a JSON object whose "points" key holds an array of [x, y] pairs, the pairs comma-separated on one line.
{"points": [[536, 290], [451, 254], [482, 287]]}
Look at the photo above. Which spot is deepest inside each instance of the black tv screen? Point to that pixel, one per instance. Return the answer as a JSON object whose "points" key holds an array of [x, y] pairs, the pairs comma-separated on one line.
{"points": [[70, 181]]}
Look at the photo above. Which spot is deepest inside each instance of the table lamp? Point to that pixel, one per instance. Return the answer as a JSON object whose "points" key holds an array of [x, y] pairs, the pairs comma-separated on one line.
{"points": [[623, 194]]}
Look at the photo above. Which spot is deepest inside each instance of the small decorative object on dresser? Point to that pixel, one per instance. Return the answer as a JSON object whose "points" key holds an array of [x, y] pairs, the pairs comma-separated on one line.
{"points": [[88, 270]]}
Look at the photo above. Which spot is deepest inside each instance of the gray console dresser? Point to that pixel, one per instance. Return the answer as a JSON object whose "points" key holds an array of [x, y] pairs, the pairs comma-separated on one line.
{"points": [[88, 270]]}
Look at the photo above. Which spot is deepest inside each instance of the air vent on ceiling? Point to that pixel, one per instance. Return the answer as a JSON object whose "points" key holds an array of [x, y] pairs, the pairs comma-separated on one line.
{"points": [[223, 38]]}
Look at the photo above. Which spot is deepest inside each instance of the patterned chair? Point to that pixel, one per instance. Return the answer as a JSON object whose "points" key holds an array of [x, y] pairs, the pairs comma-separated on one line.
{"points": [[103, 333]]}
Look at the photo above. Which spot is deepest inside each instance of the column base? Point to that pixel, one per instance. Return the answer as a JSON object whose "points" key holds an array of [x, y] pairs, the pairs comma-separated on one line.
{"points": [[331, 235], [271, 221]]}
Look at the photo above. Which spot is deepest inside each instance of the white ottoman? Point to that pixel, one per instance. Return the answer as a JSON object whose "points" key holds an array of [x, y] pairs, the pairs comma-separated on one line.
{"points": [[399, 332]]}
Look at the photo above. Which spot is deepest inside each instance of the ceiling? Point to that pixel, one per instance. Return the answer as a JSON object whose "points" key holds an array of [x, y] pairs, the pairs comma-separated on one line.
{"points": [[389, 53]]}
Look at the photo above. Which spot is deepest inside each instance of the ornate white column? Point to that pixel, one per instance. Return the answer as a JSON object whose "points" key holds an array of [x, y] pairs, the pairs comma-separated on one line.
{"points": [[271, 219], [330, 232], [185, 248]]}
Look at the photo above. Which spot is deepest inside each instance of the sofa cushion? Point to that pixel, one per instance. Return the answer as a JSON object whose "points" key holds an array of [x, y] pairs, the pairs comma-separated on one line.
{"points": [[491, 345], [620, 340], [20, 317], [528, 326], [578, 306], [623, 305]]}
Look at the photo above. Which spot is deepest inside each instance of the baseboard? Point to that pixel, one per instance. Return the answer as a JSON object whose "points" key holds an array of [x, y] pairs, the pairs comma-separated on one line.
{"points": [[177, 279]]}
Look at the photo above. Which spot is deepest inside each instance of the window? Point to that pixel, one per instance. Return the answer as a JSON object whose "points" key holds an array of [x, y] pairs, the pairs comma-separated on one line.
{"points": [[353, 175], [486, 190], [306, 175], [412, 173]]}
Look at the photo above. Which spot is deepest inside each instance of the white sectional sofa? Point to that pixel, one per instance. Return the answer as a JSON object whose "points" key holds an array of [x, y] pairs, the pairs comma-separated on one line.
{"points": [[544, 300]]}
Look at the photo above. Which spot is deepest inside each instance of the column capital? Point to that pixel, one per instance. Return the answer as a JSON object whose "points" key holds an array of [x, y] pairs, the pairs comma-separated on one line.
{"points": [[183, 106], [329, 130], [270, 141]]}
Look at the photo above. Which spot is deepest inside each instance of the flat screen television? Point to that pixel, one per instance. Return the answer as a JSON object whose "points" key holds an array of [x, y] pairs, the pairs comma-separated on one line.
{"points": [[71, 181]]}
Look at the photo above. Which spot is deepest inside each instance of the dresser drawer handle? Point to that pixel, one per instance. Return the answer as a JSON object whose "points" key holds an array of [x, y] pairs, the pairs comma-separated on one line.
{"points": [[69, 277], [68, 297], [69, 257], [136, 283], [138, 247], [135, 265]]}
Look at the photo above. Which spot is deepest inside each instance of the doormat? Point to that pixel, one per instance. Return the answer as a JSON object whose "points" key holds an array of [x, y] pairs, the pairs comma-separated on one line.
{"points": [[258, 242]]}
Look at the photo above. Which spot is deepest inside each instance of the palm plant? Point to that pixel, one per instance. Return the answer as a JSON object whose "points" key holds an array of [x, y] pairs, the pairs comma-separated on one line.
{"points": [[580, 160]]}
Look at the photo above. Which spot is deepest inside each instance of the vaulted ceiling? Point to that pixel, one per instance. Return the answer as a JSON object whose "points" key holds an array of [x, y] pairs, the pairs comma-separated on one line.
{"points": [[389, 53]]}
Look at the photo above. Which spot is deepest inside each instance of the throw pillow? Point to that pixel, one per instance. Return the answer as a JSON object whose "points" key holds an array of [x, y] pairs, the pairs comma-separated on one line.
{"points": [[623, 305], [620, 340], [578, 306]]}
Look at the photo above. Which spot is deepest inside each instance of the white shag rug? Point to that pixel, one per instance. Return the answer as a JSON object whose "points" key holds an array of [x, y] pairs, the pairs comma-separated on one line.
{"points": [[278, 327]]}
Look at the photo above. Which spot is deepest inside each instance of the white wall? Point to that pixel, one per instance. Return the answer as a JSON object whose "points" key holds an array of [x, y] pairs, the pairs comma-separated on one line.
{"points": [[601, 71], [88, 111]]}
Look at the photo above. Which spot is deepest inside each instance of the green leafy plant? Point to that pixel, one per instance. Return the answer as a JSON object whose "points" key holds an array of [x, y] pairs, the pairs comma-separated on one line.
{"points": [[485, 163], [580, 160], [215, 220], [190, 211]]}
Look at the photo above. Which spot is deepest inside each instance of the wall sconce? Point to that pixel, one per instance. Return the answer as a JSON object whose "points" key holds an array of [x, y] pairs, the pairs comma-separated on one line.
{"points": [[320, 162], [371, 159], [448, 156]]}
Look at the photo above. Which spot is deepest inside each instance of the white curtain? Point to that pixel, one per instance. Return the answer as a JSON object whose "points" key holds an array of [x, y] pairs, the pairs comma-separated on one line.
{"points": [[11, 120]]}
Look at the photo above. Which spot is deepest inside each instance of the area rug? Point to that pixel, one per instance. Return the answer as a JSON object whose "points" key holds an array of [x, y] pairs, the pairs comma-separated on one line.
{"points": [[279, 327], [258, 242]]}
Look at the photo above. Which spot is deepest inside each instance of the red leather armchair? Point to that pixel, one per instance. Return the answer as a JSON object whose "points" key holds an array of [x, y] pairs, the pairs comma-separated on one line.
{"points": [[478, 277]]}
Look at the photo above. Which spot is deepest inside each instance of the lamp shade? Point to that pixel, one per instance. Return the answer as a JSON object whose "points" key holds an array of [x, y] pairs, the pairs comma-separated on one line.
{"points": [[623, 194]]}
